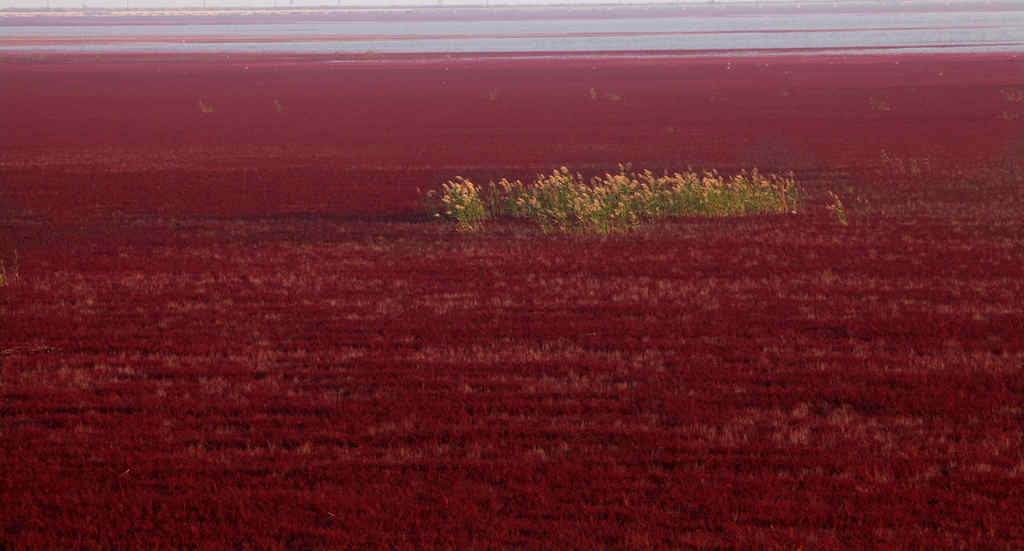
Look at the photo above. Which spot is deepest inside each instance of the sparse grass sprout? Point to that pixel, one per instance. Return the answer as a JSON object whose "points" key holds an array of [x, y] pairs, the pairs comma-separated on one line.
{"points": [[9, 273], [836, 208]]}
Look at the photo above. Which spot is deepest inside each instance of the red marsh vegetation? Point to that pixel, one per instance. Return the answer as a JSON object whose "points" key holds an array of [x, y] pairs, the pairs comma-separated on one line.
{"points": [[225, 321]]}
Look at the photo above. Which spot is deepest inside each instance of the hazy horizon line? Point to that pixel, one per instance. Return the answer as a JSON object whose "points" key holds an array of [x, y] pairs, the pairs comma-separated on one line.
{"points": [[222, 6]]}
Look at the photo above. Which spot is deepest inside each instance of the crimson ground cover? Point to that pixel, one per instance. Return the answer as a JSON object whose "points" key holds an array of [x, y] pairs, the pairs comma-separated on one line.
{"points": [[234, 327]]}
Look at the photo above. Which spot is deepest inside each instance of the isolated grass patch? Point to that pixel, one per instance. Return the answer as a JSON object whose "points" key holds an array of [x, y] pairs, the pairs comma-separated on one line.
{"points": [[566, 201]]}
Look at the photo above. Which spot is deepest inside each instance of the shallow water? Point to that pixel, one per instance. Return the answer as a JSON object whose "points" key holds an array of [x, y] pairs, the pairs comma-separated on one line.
{"points": [[981, 31]]}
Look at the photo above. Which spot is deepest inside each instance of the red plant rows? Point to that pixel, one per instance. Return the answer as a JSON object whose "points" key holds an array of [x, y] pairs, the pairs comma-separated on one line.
{"points": [[228, 324]]}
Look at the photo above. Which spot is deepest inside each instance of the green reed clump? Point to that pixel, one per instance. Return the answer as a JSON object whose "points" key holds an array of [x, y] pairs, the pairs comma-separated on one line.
{"points": [[565, 200], [460, 201]]}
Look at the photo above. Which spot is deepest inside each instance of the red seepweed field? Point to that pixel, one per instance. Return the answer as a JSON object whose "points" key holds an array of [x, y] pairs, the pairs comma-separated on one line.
{"points": [[227, 323]]}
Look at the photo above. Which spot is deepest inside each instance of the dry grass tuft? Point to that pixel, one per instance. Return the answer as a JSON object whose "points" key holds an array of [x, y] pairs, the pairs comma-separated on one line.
{"points": [[10, 274]]}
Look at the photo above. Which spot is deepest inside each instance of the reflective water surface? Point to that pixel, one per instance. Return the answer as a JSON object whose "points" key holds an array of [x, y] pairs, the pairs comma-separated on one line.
{"points": [[919, 32]]}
